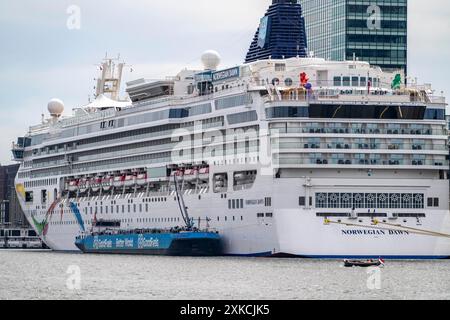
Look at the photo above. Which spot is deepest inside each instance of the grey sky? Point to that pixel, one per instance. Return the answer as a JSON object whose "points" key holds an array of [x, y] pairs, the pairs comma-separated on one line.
{"points": [[40, 58]]}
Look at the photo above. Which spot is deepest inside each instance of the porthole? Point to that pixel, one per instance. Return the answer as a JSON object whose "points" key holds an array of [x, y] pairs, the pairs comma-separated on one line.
{"points": [[288, 82]]}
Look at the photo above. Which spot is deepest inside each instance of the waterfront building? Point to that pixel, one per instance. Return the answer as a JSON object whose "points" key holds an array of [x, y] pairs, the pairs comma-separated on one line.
{"points": [[11, 213], [373, 31]]}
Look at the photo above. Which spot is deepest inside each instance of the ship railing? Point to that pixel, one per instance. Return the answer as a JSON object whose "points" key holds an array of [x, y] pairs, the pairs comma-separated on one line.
{"points": [[350, 96], [38, 128], [400, 162], [360, 131], [180, 100], [361, 146], [85, 118]]}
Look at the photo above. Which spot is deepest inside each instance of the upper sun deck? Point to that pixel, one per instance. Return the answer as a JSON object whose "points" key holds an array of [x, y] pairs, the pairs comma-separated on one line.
{"points": [[287, 80]]}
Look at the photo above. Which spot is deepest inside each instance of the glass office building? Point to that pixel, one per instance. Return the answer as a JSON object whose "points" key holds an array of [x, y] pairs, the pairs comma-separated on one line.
{"points": [[374, 31]]}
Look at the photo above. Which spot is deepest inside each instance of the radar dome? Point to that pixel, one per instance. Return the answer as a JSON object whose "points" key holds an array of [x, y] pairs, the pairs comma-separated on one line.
{"points": [[55, 107], [211, 59]]}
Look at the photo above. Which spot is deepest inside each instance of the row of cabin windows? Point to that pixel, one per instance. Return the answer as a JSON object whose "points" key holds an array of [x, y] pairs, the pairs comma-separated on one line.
{"points": [[355, 82], [162, 220], [236, 204], [138, 220], [40, 183], [302, 201], [107, 124], [433, 202], [267, 215], [233, 218]]}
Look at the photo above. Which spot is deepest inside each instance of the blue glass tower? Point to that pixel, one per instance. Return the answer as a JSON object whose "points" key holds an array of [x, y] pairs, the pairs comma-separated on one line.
{"points": [[281, 33]]}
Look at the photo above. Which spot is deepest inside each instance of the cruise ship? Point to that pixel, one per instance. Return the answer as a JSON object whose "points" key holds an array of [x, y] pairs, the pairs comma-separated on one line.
{"points": [[286, 155]]}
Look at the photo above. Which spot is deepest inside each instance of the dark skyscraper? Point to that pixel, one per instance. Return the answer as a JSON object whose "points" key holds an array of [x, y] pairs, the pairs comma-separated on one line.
{"points": [[10, 211], [373, 31], [281, 33]]}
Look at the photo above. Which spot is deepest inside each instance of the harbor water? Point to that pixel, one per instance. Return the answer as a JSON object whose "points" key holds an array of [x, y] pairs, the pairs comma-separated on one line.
{"points": [[49, 275]]}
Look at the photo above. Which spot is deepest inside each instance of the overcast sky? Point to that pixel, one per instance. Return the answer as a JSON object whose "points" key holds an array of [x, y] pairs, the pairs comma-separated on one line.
{"points": [[41, 58]]}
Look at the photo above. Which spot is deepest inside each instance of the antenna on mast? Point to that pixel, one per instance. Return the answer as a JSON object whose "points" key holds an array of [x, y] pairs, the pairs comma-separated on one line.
{"points": [[111, 77]]}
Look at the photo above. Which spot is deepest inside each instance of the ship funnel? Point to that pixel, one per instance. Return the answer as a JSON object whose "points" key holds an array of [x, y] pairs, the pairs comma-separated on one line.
{"points": [[281, 33]]}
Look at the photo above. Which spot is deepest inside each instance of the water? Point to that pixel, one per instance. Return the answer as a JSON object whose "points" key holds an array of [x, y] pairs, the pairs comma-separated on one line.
{"points": [[44, 275]]}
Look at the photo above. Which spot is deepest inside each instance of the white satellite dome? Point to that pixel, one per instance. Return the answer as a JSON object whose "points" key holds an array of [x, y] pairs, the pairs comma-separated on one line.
{"points": [[55, 107], [211, 59]]}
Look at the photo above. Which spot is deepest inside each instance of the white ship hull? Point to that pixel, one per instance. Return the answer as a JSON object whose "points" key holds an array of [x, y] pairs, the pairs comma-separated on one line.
{"points": [[278, 228]]}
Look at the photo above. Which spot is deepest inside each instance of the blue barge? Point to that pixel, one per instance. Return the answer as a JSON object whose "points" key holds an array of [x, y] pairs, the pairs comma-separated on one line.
{"points": [[189, 243]]}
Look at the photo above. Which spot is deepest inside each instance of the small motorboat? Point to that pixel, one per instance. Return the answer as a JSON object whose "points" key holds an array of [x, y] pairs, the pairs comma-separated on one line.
{"points": [[364, 263]]}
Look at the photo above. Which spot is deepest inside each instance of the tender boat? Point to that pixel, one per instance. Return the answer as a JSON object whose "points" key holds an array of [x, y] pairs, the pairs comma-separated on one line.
{"points": [[363, 264]]}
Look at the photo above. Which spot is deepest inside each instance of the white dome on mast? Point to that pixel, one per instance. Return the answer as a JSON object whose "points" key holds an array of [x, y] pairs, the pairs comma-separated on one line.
{"points": [[55, 107], [211, 60]]}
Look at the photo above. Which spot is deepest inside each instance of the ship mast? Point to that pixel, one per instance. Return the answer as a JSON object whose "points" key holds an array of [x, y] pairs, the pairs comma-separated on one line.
{"points": [[111, 78]]}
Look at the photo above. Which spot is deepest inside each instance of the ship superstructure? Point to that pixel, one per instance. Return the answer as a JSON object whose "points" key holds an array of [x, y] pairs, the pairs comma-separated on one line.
{"points": [[297, 156]]}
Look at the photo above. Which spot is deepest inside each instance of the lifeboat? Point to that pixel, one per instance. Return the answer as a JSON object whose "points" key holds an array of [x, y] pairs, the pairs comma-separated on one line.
{"points": [[141, 179], [73, 185], [177, 173], [239, 176], [191, 174], [96, 184], [118, 181], [130, 180], [84, 185], [203, 174], [107, 183]]}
